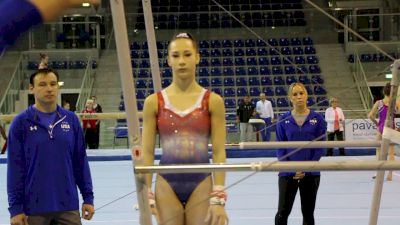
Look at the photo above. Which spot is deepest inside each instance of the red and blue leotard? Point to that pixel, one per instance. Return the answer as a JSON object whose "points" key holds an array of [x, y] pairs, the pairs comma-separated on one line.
{"points": [[184, 140]]}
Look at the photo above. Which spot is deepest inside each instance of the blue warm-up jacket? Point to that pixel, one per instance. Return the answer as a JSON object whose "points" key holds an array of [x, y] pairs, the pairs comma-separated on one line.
{"points": [[287, 130], [47, 164]]}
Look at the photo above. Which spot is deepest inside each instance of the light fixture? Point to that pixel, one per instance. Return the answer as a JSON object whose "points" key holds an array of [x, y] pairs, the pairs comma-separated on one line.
{"points": [[85, 4], [60, 83], [389, 76]]}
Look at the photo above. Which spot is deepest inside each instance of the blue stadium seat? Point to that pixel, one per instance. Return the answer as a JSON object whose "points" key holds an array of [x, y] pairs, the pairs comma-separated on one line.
{"points": [[239, 61], [287, 60], [204, 53], [297, 50], [280, 91], [277, 70], [216, 81], [262, 51], [144, 54], [290, 80], [254, 81], [263, 61], [264, 70], [238, 43], [228, 72], [286, 50], [204, 62], [240, 71], [32, 65], [350, 59], [135, 45], [251, 52], [273, 51], [150, 84], [215, 62], [140, 94], [255, 91], [160, 45], [290, 70], [276, 60], [295, 41], [217, 90], [216, 71], [310, 101], [284, 42], [299, 59], [229, 92], [302, 69], [134, 54], [312, 59], [227, 52], [230, 103], [322, 101], [266, 81], [229, 81], [249, 43], [215, 43], [203, 72], [272, 100], [268, 91], [304, 79], [134, 63], [273, 42], [141, 83], [314, 69], [144, 64], [307, 41], [252, 71], [226, 43], [140, 105], [204, 82], [241, 91], [165, 82], [227, 62], [317, 79], [282, 102], [121, 106], [309, 50], [204, 44], [260, 43], [238, 52], [310, 91], [319, 90], [278, 80], [241, 81], [251, 61], [144, 73], [215, 53]]}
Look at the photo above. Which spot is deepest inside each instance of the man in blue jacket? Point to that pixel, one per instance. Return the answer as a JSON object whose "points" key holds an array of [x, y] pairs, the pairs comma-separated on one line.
{"points": [[47, 160]]}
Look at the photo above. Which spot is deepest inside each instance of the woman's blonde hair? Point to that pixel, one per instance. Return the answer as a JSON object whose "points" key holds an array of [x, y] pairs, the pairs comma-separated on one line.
{"points": [[296, 84]]}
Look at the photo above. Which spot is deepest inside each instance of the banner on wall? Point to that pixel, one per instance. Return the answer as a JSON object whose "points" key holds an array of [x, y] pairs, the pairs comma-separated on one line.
{"points": [[362, 129]]}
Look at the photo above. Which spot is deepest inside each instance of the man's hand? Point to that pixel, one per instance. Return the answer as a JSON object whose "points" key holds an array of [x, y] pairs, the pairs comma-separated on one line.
{"points": [[299, 175], [87, 211], [19, 219]]}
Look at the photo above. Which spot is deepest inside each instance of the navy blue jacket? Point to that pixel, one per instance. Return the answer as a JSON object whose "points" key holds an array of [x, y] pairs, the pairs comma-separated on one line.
{"points": [[287, 130], [46, 165], [16, 17]]}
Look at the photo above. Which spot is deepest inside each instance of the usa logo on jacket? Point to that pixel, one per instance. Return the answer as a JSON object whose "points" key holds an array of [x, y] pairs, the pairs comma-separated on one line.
{"points": [[313, 121], [65, 126]]}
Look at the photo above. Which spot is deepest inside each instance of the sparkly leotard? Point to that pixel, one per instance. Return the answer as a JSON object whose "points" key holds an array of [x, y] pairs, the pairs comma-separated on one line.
{"points": [[184, 140]]}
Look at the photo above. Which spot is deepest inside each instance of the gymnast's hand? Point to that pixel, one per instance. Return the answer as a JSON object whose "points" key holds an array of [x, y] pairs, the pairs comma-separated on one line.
{"points": [[299, 175], [216, 215], [152, 204]]}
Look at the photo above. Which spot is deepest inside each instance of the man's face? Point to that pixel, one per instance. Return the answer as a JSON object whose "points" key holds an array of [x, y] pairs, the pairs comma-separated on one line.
{"points": [[262, 97], [246, 99], [45, 89]]}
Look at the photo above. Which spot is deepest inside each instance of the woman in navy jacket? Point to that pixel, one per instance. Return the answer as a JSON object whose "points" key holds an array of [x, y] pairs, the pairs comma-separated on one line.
{"points": [[300, 124]]}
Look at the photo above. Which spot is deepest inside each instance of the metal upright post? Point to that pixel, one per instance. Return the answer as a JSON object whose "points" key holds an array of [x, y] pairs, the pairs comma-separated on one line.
{"points": [[124, 61]]}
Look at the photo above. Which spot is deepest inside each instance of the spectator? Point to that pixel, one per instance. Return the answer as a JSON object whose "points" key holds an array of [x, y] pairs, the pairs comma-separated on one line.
{"points": [[265, 112], [300, 124], [334, 118], [67, 105], [90, 126], [44, 61], [98, 109], [244, 112], [47, 160]]}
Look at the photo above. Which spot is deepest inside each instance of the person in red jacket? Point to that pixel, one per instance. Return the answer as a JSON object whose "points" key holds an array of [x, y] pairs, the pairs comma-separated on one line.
{"points": [[90, 126]]}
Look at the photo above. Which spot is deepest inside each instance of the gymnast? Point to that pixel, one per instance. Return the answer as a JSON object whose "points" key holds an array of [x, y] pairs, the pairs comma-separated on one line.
{"points": [[186, 116]]}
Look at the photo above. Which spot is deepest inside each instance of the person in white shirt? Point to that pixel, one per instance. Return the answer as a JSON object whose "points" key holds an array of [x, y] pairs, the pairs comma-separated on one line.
{"points": [[265, 112], [334, 118]]}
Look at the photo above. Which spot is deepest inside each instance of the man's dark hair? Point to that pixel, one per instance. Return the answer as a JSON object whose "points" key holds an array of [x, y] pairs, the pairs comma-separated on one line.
{"points": [[386, 89], [42, 71]]}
